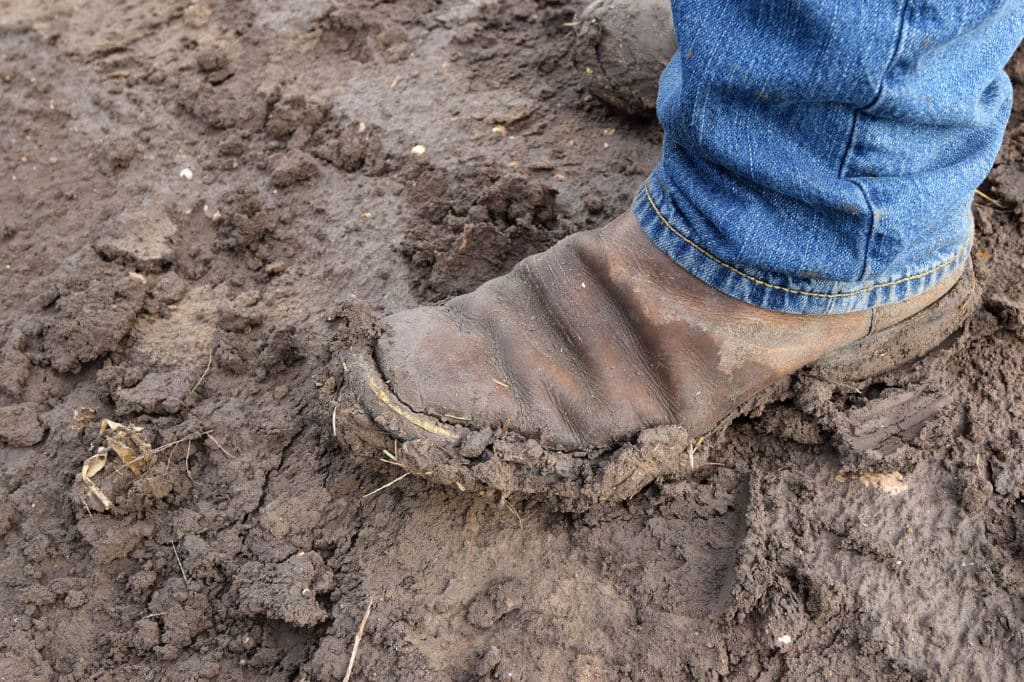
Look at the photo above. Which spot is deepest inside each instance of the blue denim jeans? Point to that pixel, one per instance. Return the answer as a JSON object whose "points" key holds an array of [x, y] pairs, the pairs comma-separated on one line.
{"points": [[821, 156]]}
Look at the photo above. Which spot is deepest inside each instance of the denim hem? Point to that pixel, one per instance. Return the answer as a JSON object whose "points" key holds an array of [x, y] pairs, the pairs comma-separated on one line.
{"points": [[668, 230]]}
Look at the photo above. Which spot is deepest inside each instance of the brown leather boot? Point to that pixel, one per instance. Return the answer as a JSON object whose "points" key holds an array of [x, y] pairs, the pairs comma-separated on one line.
{"points": [[596, 366], [621, 48]]}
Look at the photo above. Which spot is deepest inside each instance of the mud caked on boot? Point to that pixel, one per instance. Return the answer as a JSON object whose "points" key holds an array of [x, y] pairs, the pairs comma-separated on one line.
{"points": [[621, 48], [595, 367]]}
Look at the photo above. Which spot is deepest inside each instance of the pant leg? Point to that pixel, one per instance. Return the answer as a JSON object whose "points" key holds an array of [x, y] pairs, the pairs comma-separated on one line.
{"points": [[820, 156]]}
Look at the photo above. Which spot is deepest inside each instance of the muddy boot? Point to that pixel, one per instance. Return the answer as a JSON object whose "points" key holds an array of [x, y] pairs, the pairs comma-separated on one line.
{"points": [[621, 48], [595, 367]]}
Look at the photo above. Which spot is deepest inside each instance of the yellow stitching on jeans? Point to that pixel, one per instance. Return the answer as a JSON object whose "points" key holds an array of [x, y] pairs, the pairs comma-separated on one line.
{"points": [[650, 200]]}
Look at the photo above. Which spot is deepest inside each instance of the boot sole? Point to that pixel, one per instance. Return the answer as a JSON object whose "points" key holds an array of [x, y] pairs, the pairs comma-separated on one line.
{"points": [[905, 342]]}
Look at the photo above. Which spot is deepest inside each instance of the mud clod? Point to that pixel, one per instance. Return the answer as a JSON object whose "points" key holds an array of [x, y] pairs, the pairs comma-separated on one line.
{"points": [[293, 167], [353, 146], [286, 591], [476, 232], [87, 308], [293, 112], [19, 425], [157, 393], [141, 239]]}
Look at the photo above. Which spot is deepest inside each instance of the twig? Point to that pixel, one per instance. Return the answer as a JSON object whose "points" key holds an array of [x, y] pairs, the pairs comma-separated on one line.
{"points": [[188, 453], [181, 440], [513, 510], [355, 644], [217, 443], [387, 485], [167, 464], [209, 364], [996, 202], [180, 566], [693, 451]]}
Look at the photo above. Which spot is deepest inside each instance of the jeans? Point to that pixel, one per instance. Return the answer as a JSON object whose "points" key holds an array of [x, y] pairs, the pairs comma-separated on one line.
{"points": [[821, 156]]}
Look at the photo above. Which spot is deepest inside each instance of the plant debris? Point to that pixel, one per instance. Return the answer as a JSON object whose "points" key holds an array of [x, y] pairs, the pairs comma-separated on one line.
{"points": [[124, 440]]}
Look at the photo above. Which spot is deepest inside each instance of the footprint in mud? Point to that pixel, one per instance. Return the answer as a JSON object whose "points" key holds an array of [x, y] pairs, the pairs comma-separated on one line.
{"points": [[879, 426], [895, 418]]}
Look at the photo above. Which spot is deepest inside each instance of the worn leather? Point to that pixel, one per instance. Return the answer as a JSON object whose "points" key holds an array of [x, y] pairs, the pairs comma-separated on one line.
{"points": [[599, 337]]}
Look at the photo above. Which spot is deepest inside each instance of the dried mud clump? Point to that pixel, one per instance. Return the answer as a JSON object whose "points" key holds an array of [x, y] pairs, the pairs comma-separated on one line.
{"points": [[142, 239], [293, 167], [352, 146], [222, 107], [286, 591], [19, 425], [14, 367], [475, 227], [349, 33], [86, 308], [245, 219], [157, 393], [214, 63], [291, 113]]}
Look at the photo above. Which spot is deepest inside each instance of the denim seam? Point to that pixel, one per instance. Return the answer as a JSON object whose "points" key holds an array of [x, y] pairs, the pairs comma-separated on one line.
{"points": [[731, 268], [901, 37]]}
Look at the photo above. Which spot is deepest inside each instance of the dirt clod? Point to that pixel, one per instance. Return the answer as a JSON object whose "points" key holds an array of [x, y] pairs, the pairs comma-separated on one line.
{"points": [[286, 591], [19, 425], [142, 239]]}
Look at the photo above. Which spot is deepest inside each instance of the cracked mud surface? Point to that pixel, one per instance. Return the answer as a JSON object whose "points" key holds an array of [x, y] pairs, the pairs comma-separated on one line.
{"points": [[845, 534]]}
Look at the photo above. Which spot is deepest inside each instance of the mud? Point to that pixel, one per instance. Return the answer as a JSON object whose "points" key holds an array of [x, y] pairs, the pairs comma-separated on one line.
{"points": [[267, 148], [621, 49]]}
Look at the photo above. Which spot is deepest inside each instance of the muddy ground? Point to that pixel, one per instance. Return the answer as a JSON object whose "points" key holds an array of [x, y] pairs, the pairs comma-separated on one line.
{"points": [[190, 192]]}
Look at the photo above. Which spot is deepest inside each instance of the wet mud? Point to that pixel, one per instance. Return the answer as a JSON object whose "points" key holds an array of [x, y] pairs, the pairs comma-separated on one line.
{"points": [[194, 194]]}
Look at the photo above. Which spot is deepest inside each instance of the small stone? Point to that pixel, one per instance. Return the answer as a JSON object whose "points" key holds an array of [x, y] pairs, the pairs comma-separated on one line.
{"points": [[197, 15], [488, 662]]}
